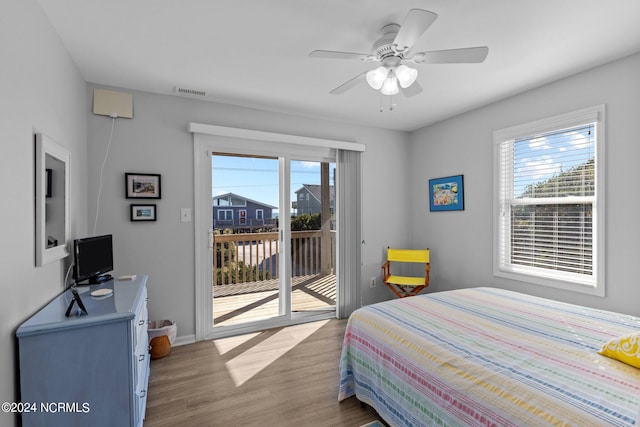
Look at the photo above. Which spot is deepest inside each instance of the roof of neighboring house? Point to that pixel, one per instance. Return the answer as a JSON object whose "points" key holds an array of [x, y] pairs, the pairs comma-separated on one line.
{"points": [[315, 190], [226, 195]]}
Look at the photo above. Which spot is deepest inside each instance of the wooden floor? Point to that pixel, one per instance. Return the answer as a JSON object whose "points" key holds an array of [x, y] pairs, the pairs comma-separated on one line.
{"points": [[259, 300], [280, 377]]}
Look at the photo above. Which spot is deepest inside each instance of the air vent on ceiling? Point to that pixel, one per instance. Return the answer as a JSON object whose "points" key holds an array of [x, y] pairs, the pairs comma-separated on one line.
{"points": [[191, 92]]}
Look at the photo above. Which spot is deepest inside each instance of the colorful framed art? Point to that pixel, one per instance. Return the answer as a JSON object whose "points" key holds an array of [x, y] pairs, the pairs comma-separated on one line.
{"points": [[446, 194], [143, 213]]}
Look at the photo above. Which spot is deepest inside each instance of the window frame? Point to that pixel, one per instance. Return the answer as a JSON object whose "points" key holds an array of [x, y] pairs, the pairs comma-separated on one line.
{"points": [[501, 231], [223, 213], [242, 202]]}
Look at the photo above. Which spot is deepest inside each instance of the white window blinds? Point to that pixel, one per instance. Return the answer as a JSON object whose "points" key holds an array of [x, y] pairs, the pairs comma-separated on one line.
{"points": [[548, 201]]}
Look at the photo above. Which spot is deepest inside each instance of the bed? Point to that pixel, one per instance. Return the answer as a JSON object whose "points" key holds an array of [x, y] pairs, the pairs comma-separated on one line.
{"points": [[488, 357]]}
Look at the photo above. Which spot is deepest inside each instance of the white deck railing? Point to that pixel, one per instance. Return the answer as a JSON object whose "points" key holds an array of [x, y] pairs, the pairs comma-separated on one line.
{"points": [[251, 257]]}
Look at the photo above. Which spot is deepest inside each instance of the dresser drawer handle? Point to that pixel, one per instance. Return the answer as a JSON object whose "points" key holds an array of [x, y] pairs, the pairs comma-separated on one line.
{"points": [[142, 322], [141, 357], [143, 393]]}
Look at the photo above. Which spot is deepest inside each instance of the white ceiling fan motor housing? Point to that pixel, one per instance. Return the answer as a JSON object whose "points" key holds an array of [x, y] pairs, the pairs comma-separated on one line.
{"points": [[383, 47]]}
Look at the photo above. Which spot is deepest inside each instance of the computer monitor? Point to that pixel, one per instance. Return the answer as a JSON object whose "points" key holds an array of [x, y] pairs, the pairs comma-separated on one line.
{"points": [[93, 257]]}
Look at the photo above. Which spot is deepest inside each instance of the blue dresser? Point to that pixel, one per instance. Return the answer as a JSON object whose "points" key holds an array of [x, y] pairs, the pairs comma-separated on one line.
{"points": [[87, 370]]}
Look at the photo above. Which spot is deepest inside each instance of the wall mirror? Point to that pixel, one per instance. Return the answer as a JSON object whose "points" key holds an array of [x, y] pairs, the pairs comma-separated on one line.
{"points": [[51, 200]]}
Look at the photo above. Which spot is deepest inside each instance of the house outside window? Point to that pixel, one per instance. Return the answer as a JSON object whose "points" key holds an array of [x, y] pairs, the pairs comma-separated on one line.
{"points": [[241, 213], [549, 202]]}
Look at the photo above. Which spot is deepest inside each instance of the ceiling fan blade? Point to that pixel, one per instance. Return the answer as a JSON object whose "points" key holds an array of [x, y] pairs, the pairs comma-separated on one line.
{"points": [[349, 84], [464, 55], [339, 55], [415, 24], [412, 90]]}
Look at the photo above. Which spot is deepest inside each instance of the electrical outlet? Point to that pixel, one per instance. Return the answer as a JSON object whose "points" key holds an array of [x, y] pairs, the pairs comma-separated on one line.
{"points": [[372, 282], [185, 214]]}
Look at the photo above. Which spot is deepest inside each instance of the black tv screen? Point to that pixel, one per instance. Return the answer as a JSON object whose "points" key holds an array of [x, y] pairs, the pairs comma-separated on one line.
{"points": [[93, 257]]}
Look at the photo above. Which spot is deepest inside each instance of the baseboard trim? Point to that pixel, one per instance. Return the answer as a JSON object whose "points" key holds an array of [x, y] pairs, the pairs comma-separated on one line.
{"points": [[184, 340], [250, 327]]}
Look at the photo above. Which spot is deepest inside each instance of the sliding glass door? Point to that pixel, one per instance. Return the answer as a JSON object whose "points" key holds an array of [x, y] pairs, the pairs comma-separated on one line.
{"points": [[313, 236], [246, 250], [273, 240], [305, 242]]}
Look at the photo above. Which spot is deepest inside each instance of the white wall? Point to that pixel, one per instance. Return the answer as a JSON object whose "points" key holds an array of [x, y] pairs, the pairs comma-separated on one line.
{"points": [[461, 242], [41, 91], [156, 141]]}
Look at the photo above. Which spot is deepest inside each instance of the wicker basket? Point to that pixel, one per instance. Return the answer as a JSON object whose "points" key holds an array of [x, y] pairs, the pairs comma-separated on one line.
{"points": [[160, 347], [162, 327]]}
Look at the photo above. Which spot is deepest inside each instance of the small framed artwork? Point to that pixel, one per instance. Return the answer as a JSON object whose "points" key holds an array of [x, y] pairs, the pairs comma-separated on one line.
{"points": [[143, 213], [446, 194], [142, 185]]}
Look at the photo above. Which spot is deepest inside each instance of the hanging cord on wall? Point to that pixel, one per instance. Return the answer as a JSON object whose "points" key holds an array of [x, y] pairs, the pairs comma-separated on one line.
{"points": [[66, 276], [104, 161]]}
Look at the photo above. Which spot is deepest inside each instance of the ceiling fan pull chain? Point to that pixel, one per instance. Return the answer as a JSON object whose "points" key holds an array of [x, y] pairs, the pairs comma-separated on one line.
{"points": [[391, 104]]}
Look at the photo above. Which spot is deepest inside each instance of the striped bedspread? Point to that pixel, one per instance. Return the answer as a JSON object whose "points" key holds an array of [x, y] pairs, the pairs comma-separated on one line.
{"points": [[488, 357]]}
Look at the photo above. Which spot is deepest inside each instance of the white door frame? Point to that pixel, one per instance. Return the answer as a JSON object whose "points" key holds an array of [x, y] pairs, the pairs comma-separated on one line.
{"points": [[211, 138]]}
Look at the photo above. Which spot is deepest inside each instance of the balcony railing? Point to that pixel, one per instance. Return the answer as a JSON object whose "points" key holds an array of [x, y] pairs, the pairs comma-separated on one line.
{"points": [[245, 223], [253, 257]]}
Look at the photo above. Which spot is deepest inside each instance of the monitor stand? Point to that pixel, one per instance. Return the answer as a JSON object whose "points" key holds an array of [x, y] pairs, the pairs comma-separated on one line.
{"points": [[100, 279], [95, 280]]}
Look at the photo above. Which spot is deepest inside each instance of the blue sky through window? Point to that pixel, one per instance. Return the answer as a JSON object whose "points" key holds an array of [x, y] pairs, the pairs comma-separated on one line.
{"points": [[540, 158], [257, 178]]}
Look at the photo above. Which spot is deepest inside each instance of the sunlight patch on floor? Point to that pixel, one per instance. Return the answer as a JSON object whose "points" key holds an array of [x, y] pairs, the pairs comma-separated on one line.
{"points": [[225, 345], [246, 365]]}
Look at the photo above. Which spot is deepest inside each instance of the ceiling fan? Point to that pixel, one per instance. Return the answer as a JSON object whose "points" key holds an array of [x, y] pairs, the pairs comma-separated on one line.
{"points": [[393, 48]]}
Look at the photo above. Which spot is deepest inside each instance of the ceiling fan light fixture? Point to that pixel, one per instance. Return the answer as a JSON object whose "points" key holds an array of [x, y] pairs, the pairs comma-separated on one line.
{"points": [[376, 77], [395, 47], [406, 75], [390, 85]]}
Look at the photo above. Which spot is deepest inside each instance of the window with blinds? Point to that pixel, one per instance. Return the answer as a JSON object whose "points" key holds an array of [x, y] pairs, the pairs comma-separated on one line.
{"points": [[548, 199]]}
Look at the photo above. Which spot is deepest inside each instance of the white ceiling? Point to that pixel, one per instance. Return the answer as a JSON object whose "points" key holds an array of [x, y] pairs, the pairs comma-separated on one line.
{"points": [[255, 52]]}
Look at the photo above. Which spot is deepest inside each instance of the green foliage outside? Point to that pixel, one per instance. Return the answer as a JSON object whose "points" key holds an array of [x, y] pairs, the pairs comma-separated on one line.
{"points": [[244, 273], [577, 181], [233, 271], [306, 222]]}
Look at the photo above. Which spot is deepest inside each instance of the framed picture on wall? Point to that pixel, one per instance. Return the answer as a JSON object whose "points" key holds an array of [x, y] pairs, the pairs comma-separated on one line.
{"points": [[143, 213], [446, 194], [142, 186]]}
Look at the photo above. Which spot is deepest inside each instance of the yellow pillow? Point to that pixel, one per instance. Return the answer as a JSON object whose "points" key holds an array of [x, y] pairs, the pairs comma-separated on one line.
{"points": [[625, 349]]}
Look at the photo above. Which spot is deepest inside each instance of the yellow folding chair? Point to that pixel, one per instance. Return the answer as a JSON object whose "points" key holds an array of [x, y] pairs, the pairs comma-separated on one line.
{"points": [[406, 286]]}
